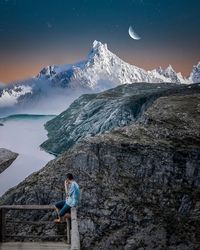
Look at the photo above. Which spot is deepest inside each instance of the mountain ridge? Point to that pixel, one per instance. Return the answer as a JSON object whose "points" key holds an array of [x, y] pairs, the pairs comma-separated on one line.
{"points": [[103, 61], [101, 70]]}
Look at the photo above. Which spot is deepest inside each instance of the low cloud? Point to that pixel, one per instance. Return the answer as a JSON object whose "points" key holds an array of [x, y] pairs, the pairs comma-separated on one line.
{"points": [[38, 97]]}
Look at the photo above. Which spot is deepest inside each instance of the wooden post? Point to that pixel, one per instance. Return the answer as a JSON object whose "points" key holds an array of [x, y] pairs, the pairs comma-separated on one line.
{"points": [[2, 225], [75, 237], [68, 231]]}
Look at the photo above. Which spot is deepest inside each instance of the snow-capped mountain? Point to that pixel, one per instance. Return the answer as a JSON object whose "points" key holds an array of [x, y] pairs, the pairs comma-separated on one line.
{"points": [[195, 74], [169, 75], [100, 71], [10, 96]]}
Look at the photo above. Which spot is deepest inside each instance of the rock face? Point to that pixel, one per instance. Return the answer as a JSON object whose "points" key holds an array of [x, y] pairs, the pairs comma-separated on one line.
{"points": [[95, 114], [6, 158], [140, 184]]}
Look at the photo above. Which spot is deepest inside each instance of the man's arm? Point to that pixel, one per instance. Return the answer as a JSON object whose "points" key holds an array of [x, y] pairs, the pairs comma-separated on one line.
{"points": [[72, 189], [66, 187]]}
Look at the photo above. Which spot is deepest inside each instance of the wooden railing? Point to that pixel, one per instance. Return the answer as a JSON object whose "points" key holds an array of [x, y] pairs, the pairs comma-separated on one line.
{"points": [[3, 222], [71, 235]]}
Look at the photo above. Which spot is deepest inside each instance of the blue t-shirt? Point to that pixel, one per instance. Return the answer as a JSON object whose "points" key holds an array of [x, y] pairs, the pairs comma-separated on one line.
{"points": [[73, 194]]}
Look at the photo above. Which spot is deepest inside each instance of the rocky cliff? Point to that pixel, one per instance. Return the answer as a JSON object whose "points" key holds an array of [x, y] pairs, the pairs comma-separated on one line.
{"points": [[140, 184], [6, 158], [96, 114]]}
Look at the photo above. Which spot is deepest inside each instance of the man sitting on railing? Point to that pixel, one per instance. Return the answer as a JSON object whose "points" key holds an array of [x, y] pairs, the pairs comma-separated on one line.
{"points": [[72, 197]]}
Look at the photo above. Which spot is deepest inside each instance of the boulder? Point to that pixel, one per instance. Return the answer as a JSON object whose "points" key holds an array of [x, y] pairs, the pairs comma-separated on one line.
{"points": [[6, 158]]}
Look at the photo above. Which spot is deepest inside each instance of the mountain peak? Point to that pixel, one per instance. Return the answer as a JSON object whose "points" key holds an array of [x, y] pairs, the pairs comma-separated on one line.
{"points": [[98, 44], [98, 49], [195, 74], [198, 64], [169, 68]]}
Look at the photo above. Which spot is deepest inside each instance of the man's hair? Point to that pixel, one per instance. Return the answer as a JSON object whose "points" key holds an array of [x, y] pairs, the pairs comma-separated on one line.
{"points": [[70, 176]]}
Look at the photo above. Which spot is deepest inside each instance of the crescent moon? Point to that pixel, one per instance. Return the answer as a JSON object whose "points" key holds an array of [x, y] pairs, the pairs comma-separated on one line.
{"points": [[133, 34]]}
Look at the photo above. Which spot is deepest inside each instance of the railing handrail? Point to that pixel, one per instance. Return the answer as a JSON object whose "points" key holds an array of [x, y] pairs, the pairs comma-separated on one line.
{"points": [[27, 207]]}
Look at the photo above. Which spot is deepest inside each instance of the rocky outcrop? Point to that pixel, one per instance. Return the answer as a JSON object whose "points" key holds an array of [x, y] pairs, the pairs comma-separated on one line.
{"points": [[6, 158], [96, 114], [139, 183]]}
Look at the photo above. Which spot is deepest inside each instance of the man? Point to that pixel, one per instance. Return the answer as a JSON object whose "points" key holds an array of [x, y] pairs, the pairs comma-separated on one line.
{"points": [[72, 197]]}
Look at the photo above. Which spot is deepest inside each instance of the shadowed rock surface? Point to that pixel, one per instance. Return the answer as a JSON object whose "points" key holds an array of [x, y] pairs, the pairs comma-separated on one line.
{"points": [[6, 158], [96, 114], [140, 183]]}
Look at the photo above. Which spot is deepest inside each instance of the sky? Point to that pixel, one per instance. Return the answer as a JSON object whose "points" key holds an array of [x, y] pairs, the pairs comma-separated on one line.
{"points": [[37, 33]]}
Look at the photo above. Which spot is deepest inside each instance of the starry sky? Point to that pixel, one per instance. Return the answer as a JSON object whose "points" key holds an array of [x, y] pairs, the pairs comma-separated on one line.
{"points": [[37, 33]]}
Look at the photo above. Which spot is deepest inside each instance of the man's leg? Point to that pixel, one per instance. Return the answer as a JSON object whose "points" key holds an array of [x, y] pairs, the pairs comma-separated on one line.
{"points": [[67, 215], [58, 206], [66, 209]]}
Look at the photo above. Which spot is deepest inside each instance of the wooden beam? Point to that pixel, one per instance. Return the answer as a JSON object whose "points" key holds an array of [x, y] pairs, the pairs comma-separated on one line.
{"points": [[27, 207], [28, 222], [2, 225], [36, 245], [34, 236]]}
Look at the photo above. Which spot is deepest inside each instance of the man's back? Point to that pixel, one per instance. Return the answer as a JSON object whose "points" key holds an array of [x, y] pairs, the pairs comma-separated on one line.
{"points": [[73, 194]]}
